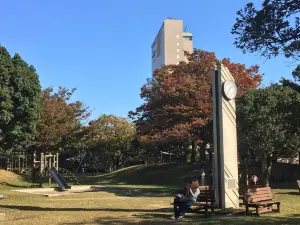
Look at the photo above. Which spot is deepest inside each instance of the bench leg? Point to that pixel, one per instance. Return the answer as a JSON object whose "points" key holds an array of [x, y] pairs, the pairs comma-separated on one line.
{"points": [[278, 207], [247, 210], [257, 211], [206, 212]]}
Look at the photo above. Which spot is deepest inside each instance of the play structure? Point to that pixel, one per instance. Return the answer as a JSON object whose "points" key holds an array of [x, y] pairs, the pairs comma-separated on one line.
{"points": [[45, 161], [46, 165], [18, 163], [58, 178], [39, 166]]}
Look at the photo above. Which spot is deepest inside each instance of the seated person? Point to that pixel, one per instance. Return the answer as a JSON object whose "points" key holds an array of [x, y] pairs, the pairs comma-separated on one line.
{"points": [[184, 201]]}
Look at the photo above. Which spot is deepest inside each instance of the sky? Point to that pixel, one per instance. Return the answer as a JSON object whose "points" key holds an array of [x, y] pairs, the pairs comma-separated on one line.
{"points": [[103, 48]]}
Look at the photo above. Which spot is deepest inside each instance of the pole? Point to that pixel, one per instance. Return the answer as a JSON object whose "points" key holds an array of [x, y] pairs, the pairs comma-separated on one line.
{"points": [[57, 167], [49, 166]]}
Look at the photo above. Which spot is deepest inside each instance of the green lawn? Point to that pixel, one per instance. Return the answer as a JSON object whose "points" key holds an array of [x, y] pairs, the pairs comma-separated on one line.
{"points": [[157, 174], [129, 204]]}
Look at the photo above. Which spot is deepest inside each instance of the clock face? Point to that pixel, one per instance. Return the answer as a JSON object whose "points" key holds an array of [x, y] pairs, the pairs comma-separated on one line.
{"points": [[229, 89]]}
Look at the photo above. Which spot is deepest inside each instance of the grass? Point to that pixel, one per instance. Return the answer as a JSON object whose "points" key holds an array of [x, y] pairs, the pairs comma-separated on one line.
{"points": [[121, 203], [158, 174], [11, 179]]}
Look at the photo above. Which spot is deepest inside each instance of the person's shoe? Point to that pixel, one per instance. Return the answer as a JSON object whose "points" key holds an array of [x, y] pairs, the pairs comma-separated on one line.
{"points": [[173, 217], [179, 218]]}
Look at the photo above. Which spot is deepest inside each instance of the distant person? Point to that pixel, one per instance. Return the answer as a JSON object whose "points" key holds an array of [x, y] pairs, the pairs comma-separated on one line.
{"points": [[183, 201], [254, 179]]}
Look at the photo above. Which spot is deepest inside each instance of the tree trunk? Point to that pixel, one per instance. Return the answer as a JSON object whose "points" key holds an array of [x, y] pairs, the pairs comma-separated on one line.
{"points": [[116, 162], [193, 155], [246, 179], [182, 152], [266, 168], [202, 152]]}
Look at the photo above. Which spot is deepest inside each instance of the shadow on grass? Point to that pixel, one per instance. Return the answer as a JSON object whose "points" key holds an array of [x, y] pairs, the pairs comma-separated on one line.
{"points": [[13, 185], [37, 208], [137, 192], [284, 185], [289, 193], [162, 219], [158, 174]]}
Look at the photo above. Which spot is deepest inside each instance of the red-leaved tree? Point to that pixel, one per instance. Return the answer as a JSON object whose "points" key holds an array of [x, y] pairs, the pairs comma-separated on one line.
{"points": [[178, 101]]}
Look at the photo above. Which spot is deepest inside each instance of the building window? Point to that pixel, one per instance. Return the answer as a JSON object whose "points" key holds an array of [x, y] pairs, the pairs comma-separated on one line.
{"points": [[177, 63], [177, 50], [177, 56], [153, 53], [177, 35], [158, 47], [177, 43], [187, 38]]}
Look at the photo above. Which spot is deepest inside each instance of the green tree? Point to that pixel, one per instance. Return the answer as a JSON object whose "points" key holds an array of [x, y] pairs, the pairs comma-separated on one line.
{"points": [[296, 74], [268, 125], [19, 102], [271, 30], [295, 85], [110, 138]]}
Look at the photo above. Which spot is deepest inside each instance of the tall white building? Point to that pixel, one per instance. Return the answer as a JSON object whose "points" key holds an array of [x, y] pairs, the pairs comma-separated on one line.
{"points": [[170, 44]]}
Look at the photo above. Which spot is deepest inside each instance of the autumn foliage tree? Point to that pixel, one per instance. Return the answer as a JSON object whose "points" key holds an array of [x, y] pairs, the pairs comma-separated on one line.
{"points": [[178, 101], [60, 122]]}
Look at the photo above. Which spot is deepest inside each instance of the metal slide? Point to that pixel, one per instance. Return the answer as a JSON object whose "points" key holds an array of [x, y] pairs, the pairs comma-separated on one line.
{"points": [[58, 178]]}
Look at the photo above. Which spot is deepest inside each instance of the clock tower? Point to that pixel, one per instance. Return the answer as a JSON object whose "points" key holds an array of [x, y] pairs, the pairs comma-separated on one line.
{"points": [[225, 166]]}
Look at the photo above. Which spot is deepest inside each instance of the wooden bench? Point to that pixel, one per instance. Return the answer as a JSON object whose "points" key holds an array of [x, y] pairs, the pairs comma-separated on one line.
{"points": [[243, 190], [298, 182], [205, 201], [261, 200]]}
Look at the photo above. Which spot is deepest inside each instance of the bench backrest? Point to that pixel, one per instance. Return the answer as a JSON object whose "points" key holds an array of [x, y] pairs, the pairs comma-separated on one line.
{"points": [[243, 189], [298, 182], [258, 194], [202, 188], [206, 196]]}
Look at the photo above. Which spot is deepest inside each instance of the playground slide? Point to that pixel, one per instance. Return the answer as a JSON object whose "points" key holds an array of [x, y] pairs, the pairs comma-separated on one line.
{"points": [[57, 177]]}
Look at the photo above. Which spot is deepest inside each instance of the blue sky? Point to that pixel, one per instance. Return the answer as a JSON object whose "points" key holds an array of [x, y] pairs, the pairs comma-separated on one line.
{"points": [[103, 48]]}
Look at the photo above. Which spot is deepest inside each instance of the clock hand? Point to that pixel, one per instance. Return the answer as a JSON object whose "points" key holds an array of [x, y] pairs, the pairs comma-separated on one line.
{"points": [[229, 90]]}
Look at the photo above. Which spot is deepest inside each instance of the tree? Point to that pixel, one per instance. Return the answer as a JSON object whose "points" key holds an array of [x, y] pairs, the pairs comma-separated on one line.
{"points": [[296, 74], [178, 101], [271, 30], [295, 85], [110, 138], [268, 125], [60, 124], [19, 102]]}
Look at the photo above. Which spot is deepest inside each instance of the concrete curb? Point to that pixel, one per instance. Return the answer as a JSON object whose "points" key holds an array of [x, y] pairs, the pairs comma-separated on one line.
{"points": [[53, 192], [2, 216]]}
